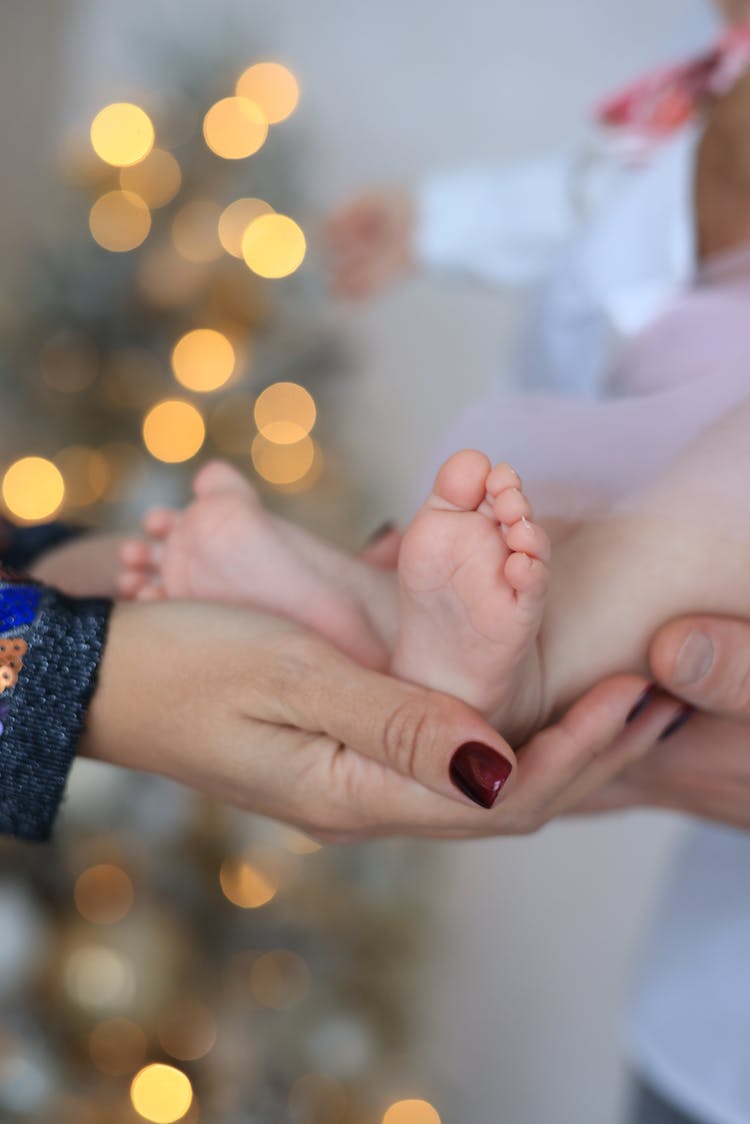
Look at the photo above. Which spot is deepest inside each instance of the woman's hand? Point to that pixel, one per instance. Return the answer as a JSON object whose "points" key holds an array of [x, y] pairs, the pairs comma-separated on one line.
{"points": [[256, 712], [371, 243], [704, 770]]}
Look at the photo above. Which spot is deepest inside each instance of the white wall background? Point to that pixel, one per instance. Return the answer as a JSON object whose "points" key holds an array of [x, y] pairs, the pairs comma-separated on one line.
{"points": [[533, 937]]}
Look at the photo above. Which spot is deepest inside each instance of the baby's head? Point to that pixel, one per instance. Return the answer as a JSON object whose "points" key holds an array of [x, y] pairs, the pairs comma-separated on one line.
{"points": [[734, 11]]}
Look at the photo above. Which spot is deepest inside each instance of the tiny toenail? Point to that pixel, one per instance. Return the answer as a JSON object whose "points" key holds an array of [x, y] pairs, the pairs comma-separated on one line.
{"points": [[479, 772], [525, 521]]}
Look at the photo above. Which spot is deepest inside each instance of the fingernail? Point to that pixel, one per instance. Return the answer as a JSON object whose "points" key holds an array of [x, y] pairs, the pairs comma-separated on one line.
{"points": [[694, 659], [683, 715], [644, 699], [479, 772], [382, 531]]}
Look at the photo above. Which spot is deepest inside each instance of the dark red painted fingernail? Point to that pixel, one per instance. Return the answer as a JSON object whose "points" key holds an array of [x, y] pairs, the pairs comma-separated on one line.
{"points": [[479, 772], [383, 530], [643, 701], [683, 715]]}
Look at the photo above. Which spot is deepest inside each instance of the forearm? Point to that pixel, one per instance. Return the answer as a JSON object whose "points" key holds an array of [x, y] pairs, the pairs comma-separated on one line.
{"points": [[84, 567]]}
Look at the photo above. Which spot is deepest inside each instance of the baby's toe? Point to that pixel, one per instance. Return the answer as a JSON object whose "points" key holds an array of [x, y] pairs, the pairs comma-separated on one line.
{"points": [[131, 582], [159, 522], [217, 477], [461, 483], [502, 477], [529, 538], [511, 506], [527, 576], [151, 591], [136, 554]]}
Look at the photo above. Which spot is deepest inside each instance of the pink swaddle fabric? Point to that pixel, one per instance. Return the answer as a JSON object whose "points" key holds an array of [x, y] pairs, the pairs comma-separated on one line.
{"points": [[682, 374]]}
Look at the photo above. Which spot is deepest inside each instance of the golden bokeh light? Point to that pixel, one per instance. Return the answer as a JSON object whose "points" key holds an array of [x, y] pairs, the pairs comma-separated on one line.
{"points": [[160, 1093], [279, 980], [103, 894], [187, 1030], [195, 231], [230, 424], [157, 179], [33, 489], [317, 1098], [282, 464], [246, 886], [271, 86], [203, 360], [235, 128], [119, 221], [69, 362], [86, 474], [173, 431], [99, 978], [285, 413], [411, 1112], [117, 1047], [122, 134], [236, 218], [273, 246], [79, 163]]}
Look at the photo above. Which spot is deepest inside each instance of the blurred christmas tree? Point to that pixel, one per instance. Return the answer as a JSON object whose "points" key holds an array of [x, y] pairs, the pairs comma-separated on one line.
{"points": [[167, 959]]}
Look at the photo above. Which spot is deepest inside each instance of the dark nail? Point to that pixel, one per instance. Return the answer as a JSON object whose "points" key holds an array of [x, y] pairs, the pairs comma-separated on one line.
{"points": [[383, 530], [644, 700], [683, 715], [479, 772]]}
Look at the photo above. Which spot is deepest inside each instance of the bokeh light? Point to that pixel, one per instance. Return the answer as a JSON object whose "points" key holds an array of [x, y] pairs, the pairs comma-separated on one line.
{"points": [[236, 218], [156, 179], [69, 362], [317, 1098], [85, 473], [122, 134], [279, 979], [33, 489], [195, 231], [273, 246], [285, 413], [271, 86], [117, 1047], [97, 977], [246, 886], [173, 431], [103, 894], [203, 360], [283, 464], [187, 1030], [230, 424], [119, 221], [411, 1112], [160, 1093], [235, 128], [299, 844]]}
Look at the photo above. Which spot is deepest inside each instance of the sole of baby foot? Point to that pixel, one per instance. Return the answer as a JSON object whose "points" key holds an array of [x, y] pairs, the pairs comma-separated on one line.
{"points": [[473, 572], [226, 547]]}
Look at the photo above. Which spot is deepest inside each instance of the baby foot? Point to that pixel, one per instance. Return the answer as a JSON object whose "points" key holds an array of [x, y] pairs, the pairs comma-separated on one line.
{"points": [[226, 547], [473, 576]]}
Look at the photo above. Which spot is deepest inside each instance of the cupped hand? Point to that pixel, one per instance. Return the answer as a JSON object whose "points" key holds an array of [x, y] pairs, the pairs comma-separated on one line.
{"points": [[254, 711], [370, 241]]}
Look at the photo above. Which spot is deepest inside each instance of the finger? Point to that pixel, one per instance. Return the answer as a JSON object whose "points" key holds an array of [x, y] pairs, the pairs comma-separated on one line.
{"points": [[706, 662], [432, 738]]}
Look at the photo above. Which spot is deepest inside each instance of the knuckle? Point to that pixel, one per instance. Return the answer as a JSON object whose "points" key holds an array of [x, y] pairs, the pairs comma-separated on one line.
{"points": [[410, 731]]}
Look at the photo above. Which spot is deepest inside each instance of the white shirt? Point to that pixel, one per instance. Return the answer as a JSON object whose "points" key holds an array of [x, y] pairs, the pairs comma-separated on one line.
{"points": [[610, 247]]}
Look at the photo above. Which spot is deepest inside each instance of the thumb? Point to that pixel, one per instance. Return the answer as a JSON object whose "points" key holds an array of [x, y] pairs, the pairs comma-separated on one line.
{"points": [[435, 739], [706, 662]]}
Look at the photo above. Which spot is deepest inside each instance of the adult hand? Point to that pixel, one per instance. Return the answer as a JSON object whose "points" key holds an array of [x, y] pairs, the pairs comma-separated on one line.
{"points": [[704, 769], [252, 710], [371, 243]]}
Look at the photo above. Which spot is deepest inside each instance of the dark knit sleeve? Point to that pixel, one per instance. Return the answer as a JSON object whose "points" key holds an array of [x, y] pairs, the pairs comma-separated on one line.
{"points": [[20, 546], [50, 649]]}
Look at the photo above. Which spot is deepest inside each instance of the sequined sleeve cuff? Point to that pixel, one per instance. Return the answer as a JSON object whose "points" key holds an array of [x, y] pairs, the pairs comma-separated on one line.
{"points": [[50, 650]]}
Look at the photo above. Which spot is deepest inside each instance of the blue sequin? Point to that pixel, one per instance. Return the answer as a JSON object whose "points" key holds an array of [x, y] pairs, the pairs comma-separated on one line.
{"points": [[18, 606]]}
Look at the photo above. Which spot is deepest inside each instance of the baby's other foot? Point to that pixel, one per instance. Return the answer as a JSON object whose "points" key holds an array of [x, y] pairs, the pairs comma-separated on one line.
{"points": [[226, 547], [474, 575]]}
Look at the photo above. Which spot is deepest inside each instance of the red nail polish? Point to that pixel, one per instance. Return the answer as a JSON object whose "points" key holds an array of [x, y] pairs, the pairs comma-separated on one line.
{"points": [[683, 715], [479, 772], [644, 700]]}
